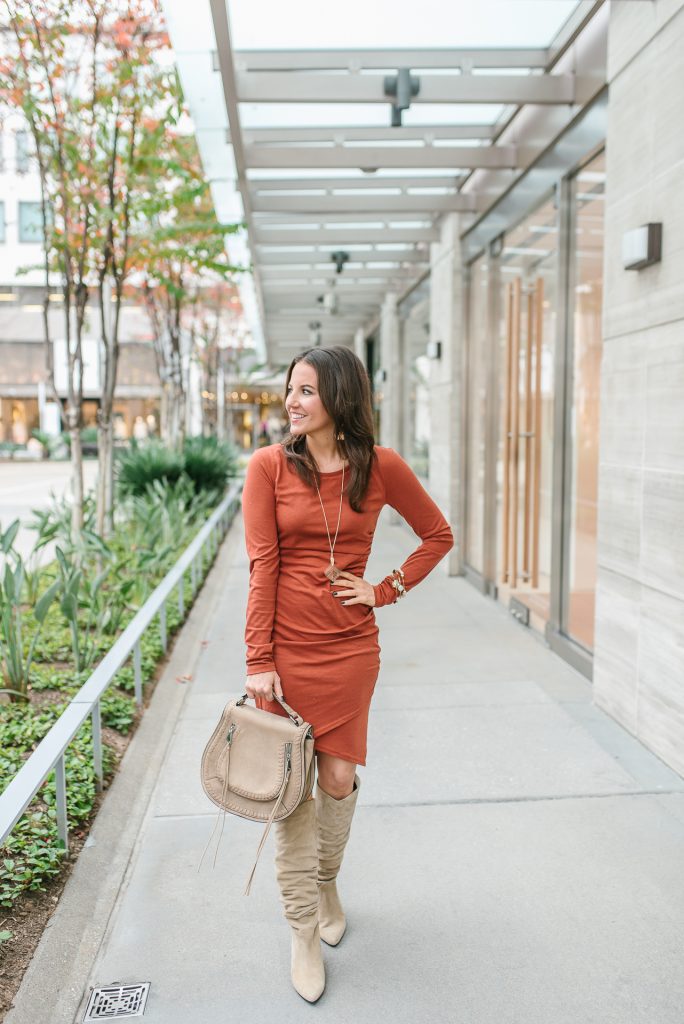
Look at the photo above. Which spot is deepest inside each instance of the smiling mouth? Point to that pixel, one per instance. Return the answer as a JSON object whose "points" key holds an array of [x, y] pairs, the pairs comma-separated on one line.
{"points": [[296, 416]]}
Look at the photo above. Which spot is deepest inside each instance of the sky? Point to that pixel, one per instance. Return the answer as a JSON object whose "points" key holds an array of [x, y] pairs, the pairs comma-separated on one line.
{"points": [[304, 24]]}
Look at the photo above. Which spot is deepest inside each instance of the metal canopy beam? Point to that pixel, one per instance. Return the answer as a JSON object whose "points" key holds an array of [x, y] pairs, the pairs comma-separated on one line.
{"points": [[356, 219], [369, 182], [312, 259], [391, 59], [359, 203], [361, 133], [286, 314], [275, 274], [374, 157], [344, 291], [424, 157], [335, 236], [291, 87]]}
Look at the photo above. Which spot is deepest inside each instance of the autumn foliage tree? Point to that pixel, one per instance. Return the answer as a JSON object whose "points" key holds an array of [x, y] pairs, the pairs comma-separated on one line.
{"points": [[122, 192], [180, 261]]}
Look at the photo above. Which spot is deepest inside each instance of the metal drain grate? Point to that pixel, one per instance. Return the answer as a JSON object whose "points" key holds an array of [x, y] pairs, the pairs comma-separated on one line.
{"points": [[117, 1002]]}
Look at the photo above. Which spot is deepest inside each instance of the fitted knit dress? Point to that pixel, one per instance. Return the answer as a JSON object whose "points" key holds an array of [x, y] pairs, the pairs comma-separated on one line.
{"points": [[326, 654]]}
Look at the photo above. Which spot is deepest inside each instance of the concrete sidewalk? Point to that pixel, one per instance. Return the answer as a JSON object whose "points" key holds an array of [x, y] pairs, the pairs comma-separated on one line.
{"points": [[516, 857]]}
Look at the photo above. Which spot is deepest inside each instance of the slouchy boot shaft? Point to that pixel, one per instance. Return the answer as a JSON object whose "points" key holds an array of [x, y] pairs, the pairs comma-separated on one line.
{"points": [[333, 820], [297, 875]]}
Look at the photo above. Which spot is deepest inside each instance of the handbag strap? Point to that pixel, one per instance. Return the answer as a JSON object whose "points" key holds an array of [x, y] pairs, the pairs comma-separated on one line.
{"points": [[292, 714], [288, 771]]}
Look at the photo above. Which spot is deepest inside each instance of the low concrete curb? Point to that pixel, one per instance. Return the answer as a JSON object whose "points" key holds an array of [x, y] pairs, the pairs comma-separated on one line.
{"points": [[53, 986]]}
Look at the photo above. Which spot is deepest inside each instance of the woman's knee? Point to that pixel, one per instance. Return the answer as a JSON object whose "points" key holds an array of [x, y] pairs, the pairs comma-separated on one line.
{"points": [[335, 776]]}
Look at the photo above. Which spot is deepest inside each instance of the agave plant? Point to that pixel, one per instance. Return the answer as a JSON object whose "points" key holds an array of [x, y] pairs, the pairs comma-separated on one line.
{"points": [[79, 592], [14, 624]]}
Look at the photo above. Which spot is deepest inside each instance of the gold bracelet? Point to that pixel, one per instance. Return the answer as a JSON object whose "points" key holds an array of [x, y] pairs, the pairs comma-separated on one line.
{"points": [[398, 583]]}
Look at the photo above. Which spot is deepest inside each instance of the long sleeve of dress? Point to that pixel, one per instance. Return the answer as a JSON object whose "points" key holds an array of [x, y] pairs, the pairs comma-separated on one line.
{"points": [[405, 493], [261, 542]]}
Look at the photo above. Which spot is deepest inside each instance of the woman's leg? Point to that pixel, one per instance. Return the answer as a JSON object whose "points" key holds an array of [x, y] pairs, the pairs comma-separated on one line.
{"points": [[335, 776], [336, 794]]}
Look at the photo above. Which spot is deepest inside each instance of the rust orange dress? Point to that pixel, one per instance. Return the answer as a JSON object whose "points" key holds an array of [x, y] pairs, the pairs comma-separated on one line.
{"points": [[326, 654]]}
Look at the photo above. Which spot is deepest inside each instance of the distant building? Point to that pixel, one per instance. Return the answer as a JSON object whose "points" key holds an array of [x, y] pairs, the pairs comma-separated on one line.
{"points": [[24, 402]]}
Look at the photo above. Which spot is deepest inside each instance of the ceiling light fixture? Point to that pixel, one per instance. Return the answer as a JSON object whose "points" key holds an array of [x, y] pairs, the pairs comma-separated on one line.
{"points": [[402, 87]]}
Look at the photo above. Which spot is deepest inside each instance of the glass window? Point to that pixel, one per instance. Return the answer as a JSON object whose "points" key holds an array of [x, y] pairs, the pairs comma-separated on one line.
{"points": [[477, 344], [22, 144], [21, 362], [2, 221], [525, 457], [30, 222], [419, 416], [588, 189], [137, 365]]}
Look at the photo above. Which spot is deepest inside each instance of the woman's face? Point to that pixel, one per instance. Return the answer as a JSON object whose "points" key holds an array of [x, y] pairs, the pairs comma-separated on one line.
{"points": [[303, 403]]}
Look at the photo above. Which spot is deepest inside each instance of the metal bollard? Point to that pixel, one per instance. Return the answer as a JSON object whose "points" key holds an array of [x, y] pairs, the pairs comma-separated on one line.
{"points": [[137, 668], [162, 625], [97, 745], [60, 795]]}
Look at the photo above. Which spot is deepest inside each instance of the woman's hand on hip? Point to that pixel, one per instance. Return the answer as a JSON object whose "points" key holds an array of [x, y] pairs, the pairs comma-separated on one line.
{"points": [[353, 589], [263, 684]]}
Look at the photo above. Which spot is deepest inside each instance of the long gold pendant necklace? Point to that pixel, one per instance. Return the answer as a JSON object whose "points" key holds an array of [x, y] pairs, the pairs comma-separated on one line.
{"points": [[332, 572]]}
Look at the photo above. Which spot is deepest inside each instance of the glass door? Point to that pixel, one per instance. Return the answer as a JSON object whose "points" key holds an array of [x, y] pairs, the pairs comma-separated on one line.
{"points": [[522, 434], [528, 269], [585, 344]]}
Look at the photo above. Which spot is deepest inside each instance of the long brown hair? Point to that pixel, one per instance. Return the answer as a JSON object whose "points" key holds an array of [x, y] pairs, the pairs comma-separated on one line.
{"points": [[344, 390]]}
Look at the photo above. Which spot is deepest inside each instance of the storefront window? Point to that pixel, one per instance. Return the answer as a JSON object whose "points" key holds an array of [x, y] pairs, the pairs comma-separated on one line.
{"points": [[588, 189], [525, 459]]}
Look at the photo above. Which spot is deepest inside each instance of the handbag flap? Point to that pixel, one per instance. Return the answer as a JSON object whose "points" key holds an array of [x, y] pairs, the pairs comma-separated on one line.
{"points": [[257, 761]]}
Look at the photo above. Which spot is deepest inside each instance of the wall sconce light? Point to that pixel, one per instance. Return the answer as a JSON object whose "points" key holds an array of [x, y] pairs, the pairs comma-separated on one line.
{"points": [[496, 246], [434, 349], [642, 246]]}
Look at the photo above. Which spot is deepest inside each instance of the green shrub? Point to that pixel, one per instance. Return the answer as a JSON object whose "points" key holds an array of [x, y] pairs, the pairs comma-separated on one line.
{"points": [[208, 463], [139, 467]]}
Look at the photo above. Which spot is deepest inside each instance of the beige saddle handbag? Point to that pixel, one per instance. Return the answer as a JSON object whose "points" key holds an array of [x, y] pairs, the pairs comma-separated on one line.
{"points": [[257, 765]]}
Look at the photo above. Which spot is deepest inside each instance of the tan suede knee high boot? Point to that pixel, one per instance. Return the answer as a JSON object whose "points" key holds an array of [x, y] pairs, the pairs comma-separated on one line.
{"points": [[333, 820], [297, 874]]}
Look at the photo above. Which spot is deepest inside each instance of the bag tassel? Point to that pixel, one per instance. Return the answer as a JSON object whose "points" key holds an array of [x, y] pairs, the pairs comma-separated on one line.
{"points": [[223, 809], [222, 816]]}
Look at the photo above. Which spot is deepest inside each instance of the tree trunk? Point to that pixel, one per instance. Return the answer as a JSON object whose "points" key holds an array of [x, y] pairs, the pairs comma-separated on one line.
{"points": [[109, 332], [76, 484], [105, 478]]}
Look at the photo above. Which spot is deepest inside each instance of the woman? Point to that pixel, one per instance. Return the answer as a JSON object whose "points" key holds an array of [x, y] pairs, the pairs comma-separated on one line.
{"points": [[310, 507]]}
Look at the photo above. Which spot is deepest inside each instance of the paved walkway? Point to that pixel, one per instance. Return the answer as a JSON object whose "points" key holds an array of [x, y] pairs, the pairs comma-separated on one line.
{"points": [[516, 857], [28, 485]]}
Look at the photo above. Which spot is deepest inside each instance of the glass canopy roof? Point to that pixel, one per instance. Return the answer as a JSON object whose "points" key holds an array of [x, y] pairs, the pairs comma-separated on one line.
{"points": [[310, 24], [302, 139]]}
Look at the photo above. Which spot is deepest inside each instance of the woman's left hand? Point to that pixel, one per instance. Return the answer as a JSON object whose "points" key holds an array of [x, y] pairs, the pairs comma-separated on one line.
{"points": [[353, 589]]}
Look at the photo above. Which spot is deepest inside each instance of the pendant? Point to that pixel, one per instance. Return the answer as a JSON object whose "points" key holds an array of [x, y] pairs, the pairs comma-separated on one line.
{"points": [[332, 572]]}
